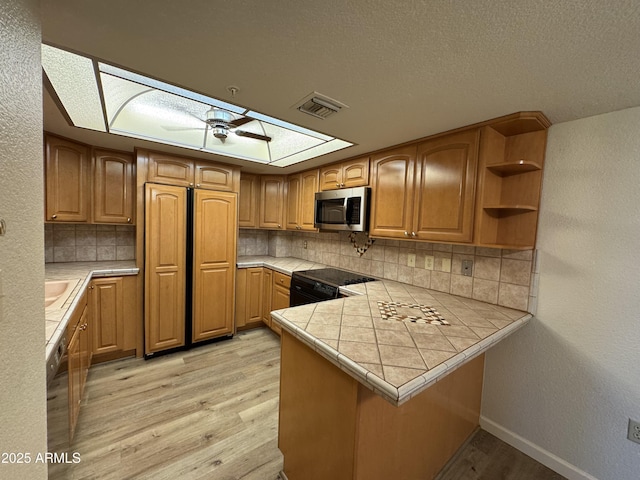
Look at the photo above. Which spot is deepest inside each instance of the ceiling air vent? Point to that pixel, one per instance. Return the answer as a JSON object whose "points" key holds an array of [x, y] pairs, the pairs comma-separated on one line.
{"points": [[319, 106]]}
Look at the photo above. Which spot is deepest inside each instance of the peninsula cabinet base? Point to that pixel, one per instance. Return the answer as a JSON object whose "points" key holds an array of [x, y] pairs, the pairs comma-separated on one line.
{"points": [[331, 426]]}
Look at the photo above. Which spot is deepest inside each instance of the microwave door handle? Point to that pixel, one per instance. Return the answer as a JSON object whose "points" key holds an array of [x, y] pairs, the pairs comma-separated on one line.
{"points": [[346, 211]]}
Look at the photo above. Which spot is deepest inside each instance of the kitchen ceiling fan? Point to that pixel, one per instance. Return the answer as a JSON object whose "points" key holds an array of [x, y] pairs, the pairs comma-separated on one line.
{"points": [[222, 123]]}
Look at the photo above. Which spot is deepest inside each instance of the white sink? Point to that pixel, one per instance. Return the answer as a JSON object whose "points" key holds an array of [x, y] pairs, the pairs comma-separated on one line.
{"points": [[56, 293]]}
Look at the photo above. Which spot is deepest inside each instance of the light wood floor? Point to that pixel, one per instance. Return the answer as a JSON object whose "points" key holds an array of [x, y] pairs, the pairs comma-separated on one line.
{"points": [[212, 413]]}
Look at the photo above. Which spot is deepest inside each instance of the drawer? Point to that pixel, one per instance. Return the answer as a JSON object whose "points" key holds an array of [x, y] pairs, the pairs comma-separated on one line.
{"points": [[281, 279]]}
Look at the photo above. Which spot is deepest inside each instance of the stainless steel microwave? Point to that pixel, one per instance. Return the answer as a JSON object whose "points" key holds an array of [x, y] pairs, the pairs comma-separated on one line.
{"points": [[346, 209]]}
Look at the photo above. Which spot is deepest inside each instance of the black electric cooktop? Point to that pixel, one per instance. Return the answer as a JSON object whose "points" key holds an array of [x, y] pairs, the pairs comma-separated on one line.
{"points": [[334, 276]]}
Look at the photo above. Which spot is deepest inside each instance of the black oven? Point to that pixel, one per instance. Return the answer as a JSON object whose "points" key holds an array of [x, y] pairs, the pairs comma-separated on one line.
{"points": [[311, 286]]}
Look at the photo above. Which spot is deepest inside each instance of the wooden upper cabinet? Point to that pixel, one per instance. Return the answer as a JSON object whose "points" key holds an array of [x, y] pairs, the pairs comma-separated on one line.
{"points": [[67, 174], [248, 201], [301, 190], [272, 200], [348, 174], [445, 187], [392, 181], [170, 170], [212, 176], [293, 202], [113, 187], [185, 172]]}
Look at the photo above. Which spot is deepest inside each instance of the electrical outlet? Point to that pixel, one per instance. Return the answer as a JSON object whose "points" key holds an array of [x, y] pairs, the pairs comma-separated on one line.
{"points": [[428, 262], [634, 431], [446, 265], [467, 268], [411, 260]]}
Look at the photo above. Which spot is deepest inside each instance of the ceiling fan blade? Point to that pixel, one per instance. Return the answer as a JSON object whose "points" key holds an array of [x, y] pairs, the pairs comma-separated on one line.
{"points": [[242, 133], [238, 122], [180, 129]]}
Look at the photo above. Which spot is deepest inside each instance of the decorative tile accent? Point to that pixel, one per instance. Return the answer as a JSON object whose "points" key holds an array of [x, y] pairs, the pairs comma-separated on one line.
{"points": [[389, 311]]}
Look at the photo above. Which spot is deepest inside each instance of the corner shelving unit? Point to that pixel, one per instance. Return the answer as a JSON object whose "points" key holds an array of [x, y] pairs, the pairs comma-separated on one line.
{"points": [[510, 169]]}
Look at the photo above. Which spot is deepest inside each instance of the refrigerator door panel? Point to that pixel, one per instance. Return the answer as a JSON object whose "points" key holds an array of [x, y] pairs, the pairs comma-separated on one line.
{"points": [[165, 266], [214, 264]]}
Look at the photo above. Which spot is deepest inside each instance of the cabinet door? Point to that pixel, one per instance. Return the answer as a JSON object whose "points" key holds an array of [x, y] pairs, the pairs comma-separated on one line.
{"points": [[445, 187], [108, 318], [279, 301], [248, 201], [113, 187], [85, 347], [293, 202], [170, 170], [330, 177], [213, 176], [267, 287], [272, 202], [165, 266], [73, 364], [214, 263], [254, 295], [392, 176], [308, 188], [67, 181], [355, 173]]}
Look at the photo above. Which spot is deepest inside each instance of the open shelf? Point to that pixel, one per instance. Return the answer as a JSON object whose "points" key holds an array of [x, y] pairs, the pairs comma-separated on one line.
{"points": [[509, 168], [511, 160], [504, 210]]}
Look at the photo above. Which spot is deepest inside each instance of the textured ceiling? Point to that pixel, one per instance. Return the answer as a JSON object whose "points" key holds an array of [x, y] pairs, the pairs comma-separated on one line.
{"points": [[405, 69]]}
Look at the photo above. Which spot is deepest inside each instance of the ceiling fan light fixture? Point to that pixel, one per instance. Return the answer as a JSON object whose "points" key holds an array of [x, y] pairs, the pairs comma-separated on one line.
{"points": [[219, 132]]}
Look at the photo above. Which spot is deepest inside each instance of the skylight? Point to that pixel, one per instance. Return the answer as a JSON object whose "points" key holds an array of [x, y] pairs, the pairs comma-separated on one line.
{"points": [[99, 96]]}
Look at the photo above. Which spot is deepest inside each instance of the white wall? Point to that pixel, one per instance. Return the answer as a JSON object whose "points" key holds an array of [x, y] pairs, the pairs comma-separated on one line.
{"points": [[22, 365], [563, 388]]}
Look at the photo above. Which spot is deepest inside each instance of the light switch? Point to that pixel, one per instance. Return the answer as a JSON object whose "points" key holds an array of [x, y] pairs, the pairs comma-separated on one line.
{"points": [[411, 260], [446, 264], [428, 262]]}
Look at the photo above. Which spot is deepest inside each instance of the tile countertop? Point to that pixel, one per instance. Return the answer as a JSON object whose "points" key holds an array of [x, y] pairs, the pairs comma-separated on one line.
{"points": [[56, 320], [286, 265], [396, 359]]}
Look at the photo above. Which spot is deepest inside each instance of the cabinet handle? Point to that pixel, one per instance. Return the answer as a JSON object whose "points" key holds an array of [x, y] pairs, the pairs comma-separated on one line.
{"points": [[128, 219], [342, 184], [279, 226], [338, 185], [198, 185], [191, 184], [413, 234], [406, 234], [54, 216]]}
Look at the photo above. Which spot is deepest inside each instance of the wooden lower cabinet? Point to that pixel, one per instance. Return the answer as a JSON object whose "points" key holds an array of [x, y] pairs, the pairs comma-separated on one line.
{"points": [[249, 297], [279, 296], [258, 292], [114, 302], [331, 426], [78, 357], [267, 288]]}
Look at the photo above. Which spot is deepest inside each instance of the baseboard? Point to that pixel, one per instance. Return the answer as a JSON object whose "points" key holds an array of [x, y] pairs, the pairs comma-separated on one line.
{"points": [[536, 452]]}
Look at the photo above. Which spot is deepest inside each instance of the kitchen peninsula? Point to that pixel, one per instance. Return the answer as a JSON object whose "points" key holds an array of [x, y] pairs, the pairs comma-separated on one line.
{"points": [[376, 385]]}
